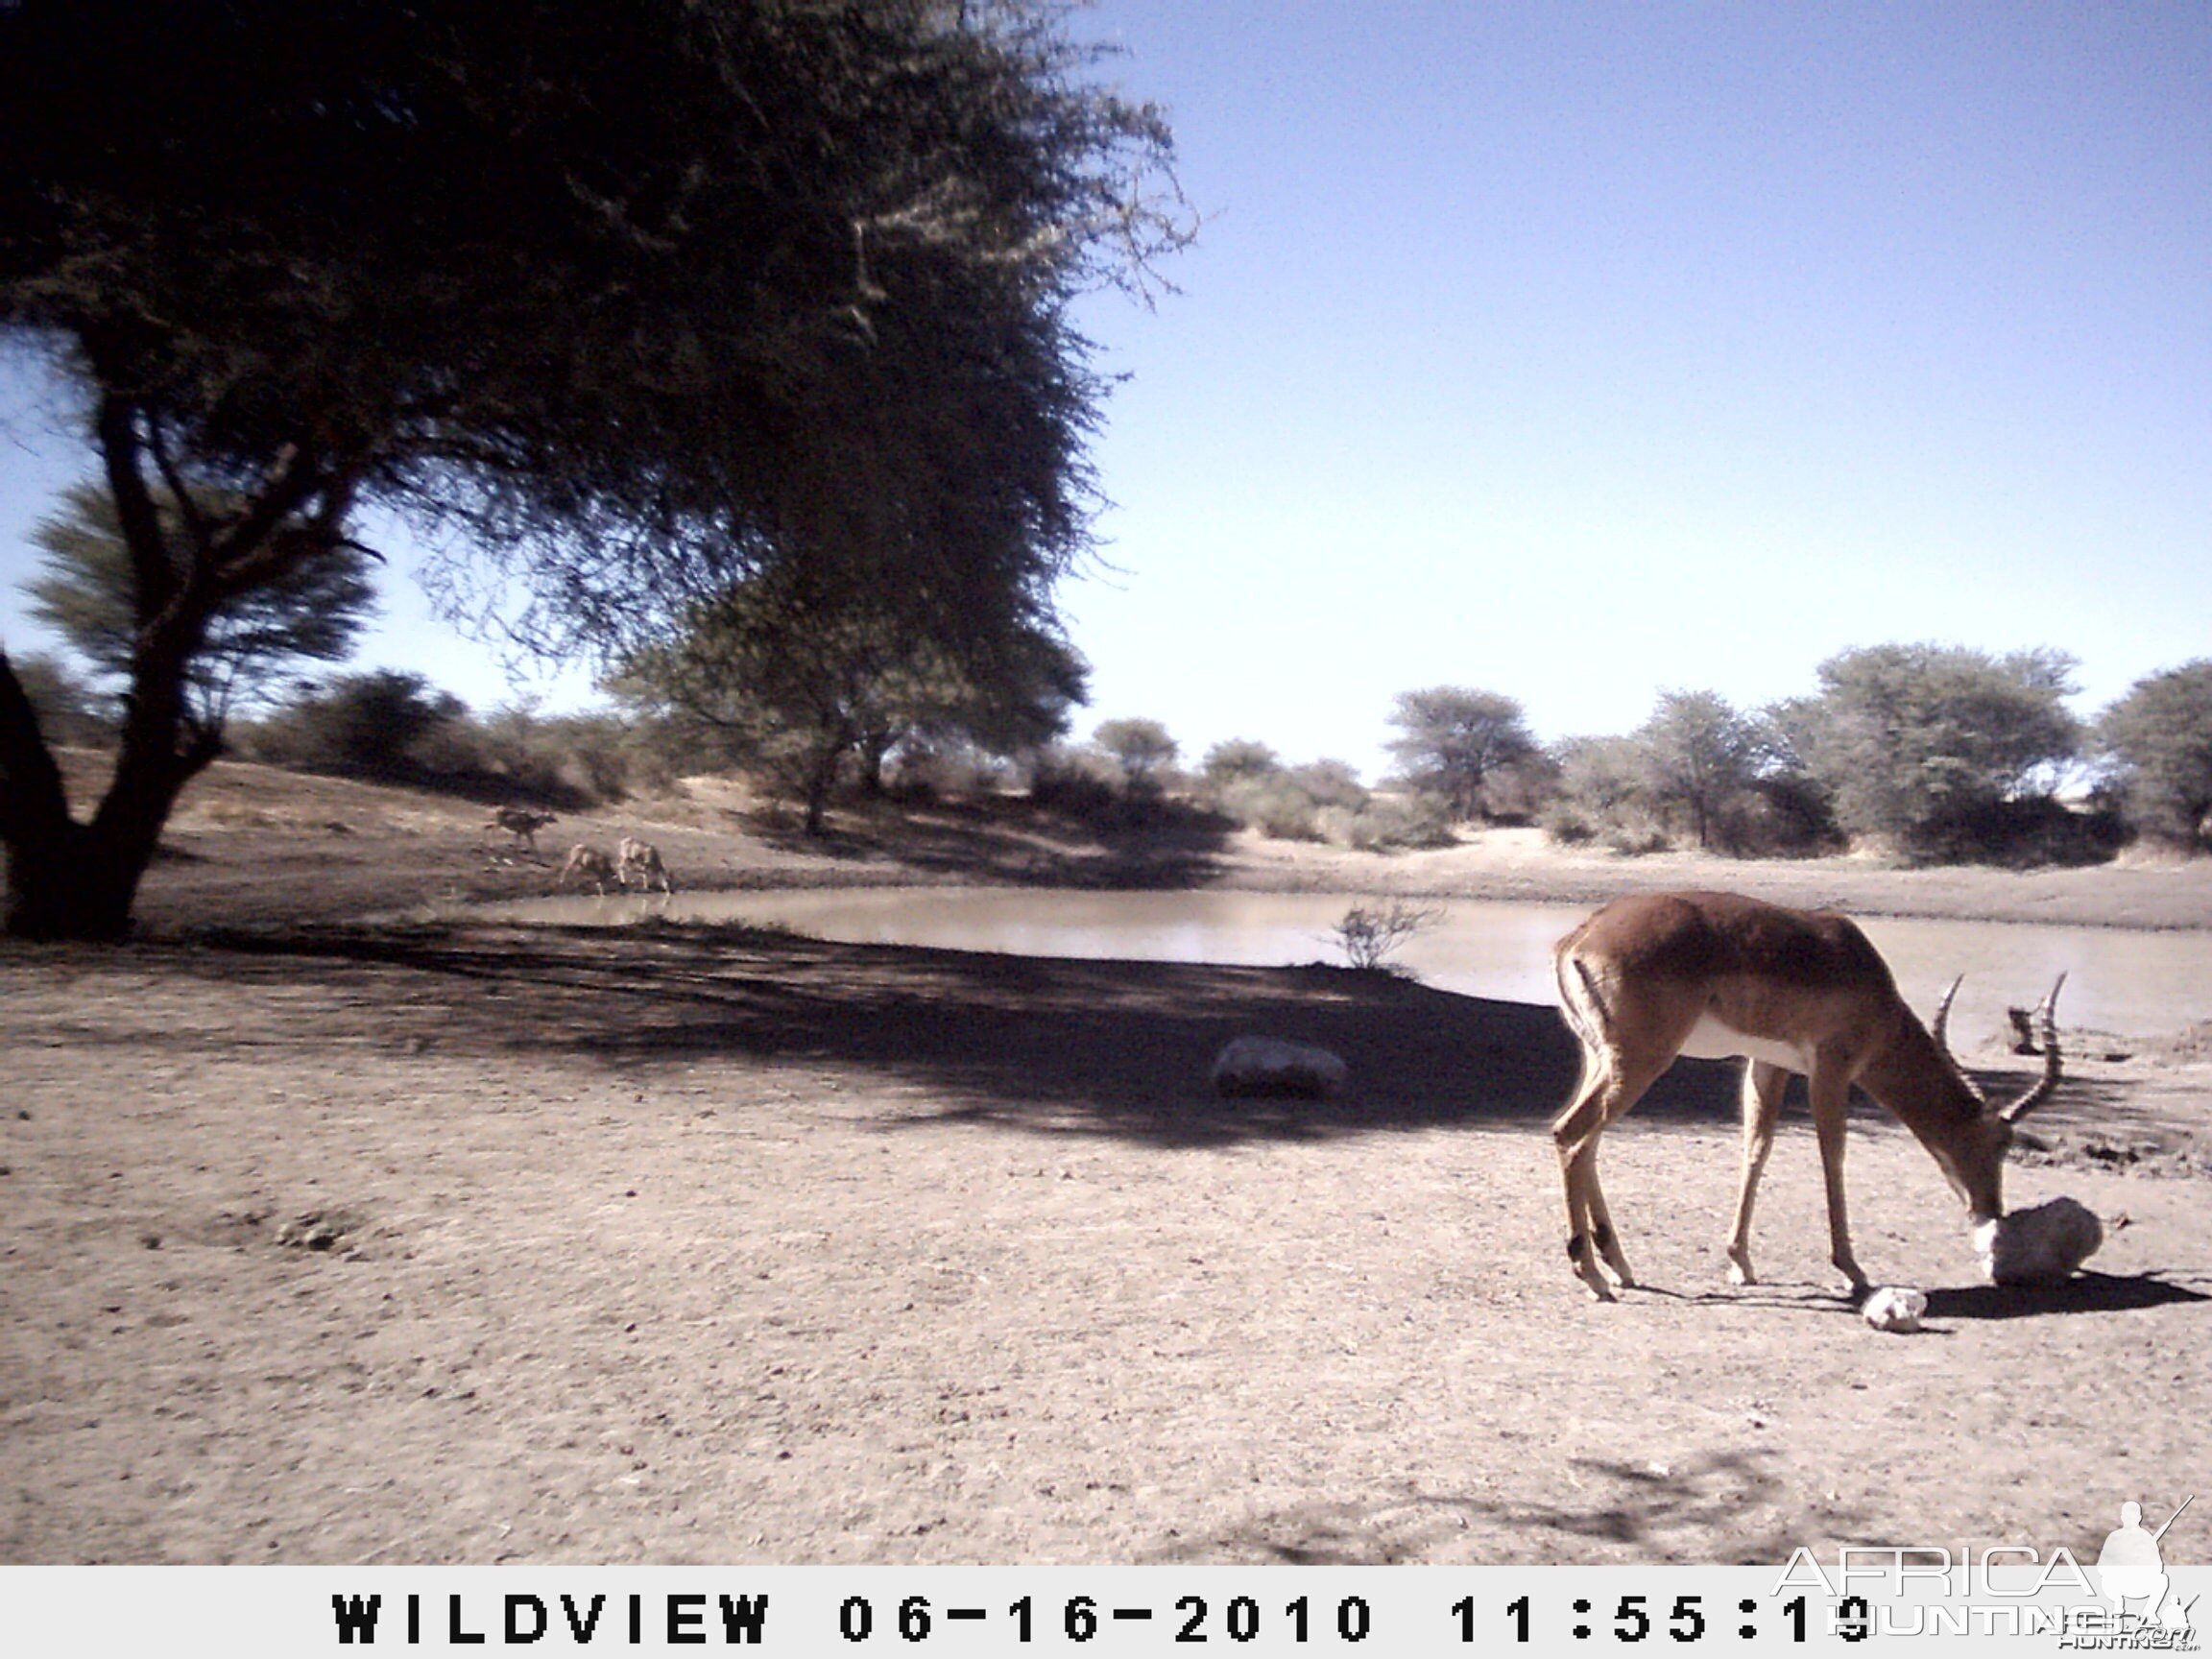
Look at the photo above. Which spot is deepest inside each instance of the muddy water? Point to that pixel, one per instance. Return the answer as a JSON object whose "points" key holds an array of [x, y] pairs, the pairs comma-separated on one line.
{"points": [[2137, 983]]}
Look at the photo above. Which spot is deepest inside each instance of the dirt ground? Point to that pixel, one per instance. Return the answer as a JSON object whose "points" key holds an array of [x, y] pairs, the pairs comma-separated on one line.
{"points": [[331, 1243]]}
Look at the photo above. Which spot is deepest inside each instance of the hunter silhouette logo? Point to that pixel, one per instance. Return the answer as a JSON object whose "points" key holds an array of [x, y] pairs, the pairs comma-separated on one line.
{"points": [[2130, 1568]]}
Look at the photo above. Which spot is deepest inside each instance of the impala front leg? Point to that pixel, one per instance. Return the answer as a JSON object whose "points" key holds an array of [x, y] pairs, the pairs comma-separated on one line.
{"points": [[1763, 1085], [1831, 1097]]}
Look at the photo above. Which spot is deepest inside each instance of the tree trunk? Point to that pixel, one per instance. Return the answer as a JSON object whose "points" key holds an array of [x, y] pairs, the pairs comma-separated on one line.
{"points": [[71, 881], [68, 885], [818, 778]]}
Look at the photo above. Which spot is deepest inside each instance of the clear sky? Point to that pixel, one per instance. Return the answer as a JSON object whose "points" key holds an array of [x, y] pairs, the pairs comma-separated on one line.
{"points": [[1575, 351]]}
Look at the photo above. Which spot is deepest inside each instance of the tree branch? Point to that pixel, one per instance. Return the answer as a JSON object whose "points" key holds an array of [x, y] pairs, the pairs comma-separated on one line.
{"points": [[188, 509], [141, 519]]}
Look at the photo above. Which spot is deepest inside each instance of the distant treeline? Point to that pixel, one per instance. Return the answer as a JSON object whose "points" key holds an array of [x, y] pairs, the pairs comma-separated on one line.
{"points": [[1929, 752]]}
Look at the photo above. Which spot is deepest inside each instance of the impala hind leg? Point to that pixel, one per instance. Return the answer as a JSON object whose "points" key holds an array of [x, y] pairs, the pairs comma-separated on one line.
{"points": [[1831, 1097], [1763, 1085], [1575, 1133], [1601, 1234], [1601, 1095]]}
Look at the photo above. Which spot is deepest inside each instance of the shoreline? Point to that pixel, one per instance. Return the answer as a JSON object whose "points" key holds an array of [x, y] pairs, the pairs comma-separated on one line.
{"points": [[256, 847]]}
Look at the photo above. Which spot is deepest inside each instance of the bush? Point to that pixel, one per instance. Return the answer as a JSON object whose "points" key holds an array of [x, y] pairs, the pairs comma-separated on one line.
{"points": [[1275, 805], [2026, 834], [68, 711], [956, 770], [396, 728], [1779, 817], [1600, 793], [1089, 786], [1388, 823], [1237, 757], [387, 725], [1370, 935]]}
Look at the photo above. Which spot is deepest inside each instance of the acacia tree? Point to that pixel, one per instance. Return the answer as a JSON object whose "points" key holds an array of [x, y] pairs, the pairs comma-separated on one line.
{"points": [[800, 678], [618, 306], [1920, 744], [1697, 754], [312, 610], [2160, 733], [1143, 749], [1455, 740]]}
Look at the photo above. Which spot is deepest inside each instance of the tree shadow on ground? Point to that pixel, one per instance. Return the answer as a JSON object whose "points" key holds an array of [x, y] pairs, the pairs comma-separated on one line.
{"points": [[1045, 1046], [1724, 1507], [1049, 1046]]}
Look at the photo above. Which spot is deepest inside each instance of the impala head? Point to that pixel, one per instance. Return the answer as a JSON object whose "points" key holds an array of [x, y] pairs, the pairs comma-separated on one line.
{"points": [[1973, 1159]]}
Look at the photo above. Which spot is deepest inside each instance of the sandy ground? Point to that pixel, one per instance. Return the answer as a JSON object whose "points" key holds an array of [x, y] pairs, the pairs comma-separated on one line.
{"points": [[331, 1243]]}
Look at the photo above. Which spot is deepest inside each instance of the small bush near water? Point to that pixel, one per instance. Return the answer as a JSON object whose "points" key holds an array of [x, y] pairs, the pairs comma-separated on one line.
{"points": [[1371, 935]]}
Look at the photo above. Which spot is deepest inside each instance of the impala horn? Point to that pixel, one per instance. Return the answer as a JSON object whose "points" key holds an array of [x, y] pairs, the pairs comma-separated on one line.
{"points": [[1943, 1019], [2046, 1016]]}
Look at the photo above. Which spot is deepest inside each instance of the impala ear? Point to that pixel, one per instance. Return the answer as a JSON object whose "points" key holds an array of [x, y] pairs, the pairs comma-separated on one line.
{"points": [[2047, 1021], [1943, 1018]]}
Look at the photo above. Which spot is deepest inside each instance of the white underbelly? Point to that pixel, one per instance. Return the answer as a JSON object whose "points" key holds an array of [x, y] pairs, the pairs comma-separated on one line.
{"points": [[1710, 1040]]}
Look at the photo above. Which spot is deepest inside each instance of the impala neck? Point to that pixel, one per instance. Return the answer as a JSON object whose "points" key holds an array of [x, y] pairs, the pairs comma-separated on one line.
{"points": [[1917, 1083]]}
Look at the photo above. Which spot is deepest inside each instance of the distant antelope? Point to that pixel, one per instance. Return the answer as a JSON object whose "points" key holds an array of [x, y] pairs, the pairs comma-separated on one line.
{"points": [[643, 859], [587, 862], [523, 822]]}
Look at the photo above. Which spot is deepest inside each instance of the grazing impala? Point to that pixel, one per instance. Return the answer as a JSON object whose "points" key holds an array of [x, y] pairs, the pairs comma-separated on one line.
{"points": [[1711, 975], [587, 863], [641, 859]]}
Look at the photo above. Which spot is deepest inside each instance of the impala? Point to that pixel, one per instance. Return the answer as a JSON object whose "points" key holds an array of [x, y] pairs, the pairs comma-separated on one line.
{"points": [[1713, 975], [521, 823], [587, 863], [641, 859]]}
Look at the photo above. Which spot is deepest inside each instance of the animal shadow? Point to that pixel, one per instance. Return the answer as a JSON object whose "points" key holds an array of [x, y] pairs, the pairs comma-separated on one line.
{"points": [[2083, 1293]]}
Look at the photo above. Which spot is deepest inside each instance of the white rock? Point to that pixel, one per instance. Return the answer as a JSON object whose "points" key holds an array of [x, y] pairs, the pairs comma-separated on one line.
{"points": [[1895, 1308], [1249, 1066], [2039, 1246]]}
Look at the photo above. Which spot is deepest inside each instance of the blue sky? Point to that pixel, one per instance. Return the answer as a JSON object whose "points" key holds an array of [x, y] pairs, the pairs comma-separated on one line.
{"points": [[1577, 352]]}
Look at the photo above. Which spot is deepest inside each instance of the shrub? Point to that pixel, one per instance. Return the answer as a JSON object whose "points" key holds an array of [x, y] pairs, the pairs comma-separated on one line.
{"points": [[1388, 823], [396, 728], [1371, 935], [1275, 805], [383, 725], [68, 711]]}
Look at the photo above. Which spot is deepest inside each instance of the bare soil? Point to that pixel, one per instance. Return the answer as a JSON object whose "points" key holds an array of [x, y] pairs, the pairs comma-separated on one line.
{"points": [[331, 1242]]}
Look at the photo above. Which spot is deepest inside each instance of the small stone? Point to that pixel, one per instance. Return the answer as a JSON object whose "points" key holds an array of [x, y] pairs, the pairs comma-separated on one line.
{"points": [[1269, 1067], [1896, 1309]]}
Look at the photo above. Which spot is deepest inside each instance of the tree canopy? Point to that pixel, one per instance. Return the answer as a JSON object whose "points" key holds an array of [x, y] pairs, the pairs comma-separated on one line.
{"points": [[618, 306], [311, 610], [1455, 740], [1142, 748], [2160, 733], [1697, 754], [1916, 743], [803, 679]]}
